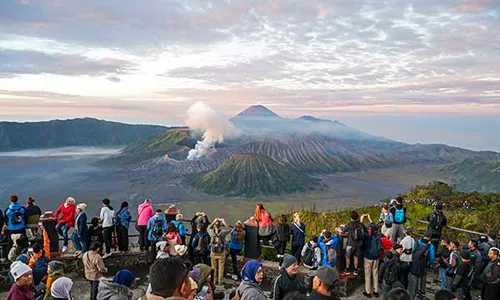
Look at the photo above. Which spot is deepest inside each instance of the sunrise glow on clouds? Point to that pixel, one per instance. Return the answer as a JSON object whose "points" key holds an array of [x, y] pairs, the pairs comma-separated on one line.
{"points": [[147, 61]]}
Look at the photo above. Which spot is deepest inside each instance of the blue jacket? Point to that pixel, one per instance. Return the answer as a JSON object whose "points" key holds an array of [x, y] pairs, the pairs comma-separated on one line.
{"points": [[234, 244], [125, 217], [180, 227], [9, 213], [324, 253], [298, 234], [150, 226], [83, 230], [431, 252]]}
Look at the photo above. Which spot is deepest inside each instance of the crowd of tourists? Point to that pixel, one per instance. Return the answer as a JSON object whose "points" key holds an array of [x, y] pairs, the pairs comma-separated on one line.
{"points": [[393, 260]]}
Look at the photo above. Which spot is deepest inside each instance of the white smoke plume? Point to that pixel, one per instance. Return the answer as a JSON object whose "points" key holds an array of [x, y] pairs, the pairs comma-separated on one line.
{"points": [[215, 126]]}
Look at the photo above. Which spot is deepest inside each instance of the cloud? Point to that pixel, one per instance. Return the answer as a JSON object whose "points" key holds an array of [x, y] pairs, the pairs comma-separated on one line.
{"points": [[113, 79]]}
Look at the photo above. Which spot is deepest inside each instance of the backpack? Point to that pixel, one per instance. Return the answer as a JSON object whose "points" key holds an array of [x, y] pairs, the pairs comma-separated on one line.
{"points": [[116, 219], [357, 233], [399, 215], [16, 217], [309, 257], [217, 244], [331, 254], [158, 228], [452, 271], [436, 221], [202, 247], [391, 273], [375, 247]]}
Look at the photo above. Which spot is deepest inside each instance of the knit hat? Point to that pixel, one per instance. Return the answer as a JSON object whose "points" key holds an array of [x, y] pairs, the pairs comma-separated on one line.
{"points": [[18, 269], [124, 277], [288, 260], [327, 275], [71, 200], [180, 249], [56, 265], [465, 254], [82, 206]]}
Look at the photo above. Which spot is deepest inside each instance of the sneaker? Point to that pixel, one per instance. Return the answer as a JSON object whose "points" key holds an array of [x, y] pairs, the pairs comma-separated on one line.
{"points": [[64, 249], [376, 295], [234, 277], [367, 295], [356, 273], [106, 255], [345, 273]]}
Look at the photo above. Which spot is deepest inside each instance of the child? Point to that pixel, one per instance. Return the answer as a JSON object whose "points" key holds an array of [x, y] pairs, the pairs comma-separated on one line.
{"points": [[95, 232], [55, 271]]}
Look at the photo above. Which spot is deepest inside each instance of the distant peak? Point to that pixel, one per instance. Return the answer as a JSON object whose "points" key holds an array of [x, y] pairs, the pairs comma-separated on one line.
{"points": [[258, 111], [314, 119]]}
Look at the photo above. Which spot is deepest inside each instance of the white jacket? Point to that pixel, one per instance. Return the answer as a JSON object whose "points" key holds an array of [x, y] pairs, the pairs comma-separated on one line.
{"points": [[107, 216], [408, 243]]}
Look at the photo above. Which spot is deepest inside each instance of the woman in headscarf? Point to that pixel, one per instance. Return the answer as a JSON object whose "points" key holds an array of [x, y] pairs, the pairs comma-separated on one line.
{"points": [[61, 289], [80, 235], [118, 288], [55, 271], [252, 276]]}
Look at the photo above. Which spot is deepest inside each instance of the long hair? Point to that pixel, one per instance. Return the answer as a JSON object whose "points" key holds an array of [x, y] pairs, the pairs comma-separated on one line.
{"points": [[259, 208], [240, 233]]}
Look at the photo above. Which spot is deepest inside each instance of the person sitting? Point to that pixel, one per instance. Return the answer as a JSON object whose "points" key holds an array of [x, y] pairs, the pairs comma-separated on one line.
{"points": [[311, 254], [265, 221], [328, 244], [33, 213], [162, 249], [181, 251], [172, 237], [179, 224], [205, 281], [324, 282], [118, 288], [289, 279], [95, 232], [61, 289], [157, 225], [19, 247], [39, 263], [398, 292], [252, 276], [15, 218], [23, 282], [55, 271], [80, 235], [169, 279], [67, 210]]}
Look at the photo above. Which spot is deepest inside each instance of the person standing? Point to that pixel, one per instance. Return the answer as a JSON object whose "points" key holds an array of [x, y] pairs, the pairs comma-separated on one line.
{"points": [[23, 282], [67, 210], [386, 218], [464, 277], [443, 255], [354, 231], [389, 272], [33, 213], [431, 255], [107, 215], [95, 232], [157, 226], [298, 236], [328, 244], [437, 221], [144, 213], [409, 246], [281, 238], [123, 218], [373, 249], [236, 245], [477, 261], [94, 268], [417, 270], [452, 264], [15, 219], [80, 235], [491, 276], [218, 231], [399, 213], [266, 227]]}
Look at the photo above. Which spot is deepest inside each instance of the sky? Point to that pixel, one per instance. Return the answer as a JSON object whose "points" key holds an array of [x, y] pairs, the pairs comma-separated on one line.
{"points": [[413, 70]]}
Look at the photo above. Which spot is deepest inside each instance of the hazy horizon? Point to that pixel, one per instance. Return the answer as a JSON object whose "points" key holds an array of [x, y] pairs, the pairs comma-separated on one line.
{"points": [[412, 71]]}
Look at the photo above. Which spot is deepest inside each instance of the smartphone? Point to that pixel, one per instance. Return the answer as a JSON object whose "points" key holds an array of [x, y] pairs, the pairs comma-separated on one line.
{"points": [[204, 291]]}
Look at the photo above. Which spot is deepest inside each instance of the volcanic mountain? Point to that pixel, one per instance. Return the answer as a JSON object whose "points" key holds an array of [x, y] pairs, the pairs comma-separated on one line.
{"points": [[274, 155]]}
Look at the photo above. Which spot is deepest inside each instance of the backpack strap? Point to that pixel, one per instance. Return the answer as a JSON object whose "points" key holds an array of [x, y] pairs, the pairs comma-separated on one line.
{"points": [[298, 227]]}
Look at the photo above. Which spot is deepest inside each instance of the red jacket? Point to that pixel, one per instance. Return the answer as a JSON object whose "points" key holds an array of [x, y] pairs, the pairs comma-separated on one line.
{"points": [[386, 245], [67, 215]]}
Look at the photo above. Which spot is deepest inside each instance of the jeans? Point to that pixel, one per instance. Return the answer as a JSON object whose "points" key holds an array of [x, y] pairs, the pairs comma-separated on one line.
{"points": [[107, 234], [385, 289], [153, 252], [442, 278], [296, 251], [397, 232], [234, 253], [122, 235], [143, 237], [62, 229], [371, 275], [218, 261], [94, 288], [413, 285], [79, 243]]}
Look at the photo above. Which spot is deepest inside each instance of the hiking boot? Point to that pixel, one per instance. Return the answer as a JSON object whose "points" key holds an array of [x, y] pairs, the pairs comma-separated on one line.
{"points": [[367, 295]]}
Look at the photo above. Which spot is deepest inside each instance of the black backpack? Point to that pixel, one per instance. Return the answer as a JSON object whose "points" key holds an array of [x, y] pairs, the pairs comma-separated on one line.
{"points": [[357, 232], [436, 221], [391, 273], [158, 228], [202, 247], [16, 217], [309, 257]]}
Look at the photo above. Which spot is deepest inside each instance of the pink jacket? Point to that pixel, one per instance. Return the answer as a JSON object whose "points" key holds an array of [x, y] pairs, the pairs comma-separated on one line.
{"points": [[144, 213], [173, 239]]}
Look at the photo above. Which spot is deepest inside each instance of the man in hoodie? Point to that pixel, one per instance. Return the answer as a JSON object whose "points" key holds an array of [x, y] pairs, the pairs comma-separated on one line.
{"points": [[118, 288], [373, 249], [157, 226], [289, 279], [465, 275], [67, 210], [437, 221], [328, 244], [399, 213], [15, 219], [324, 283], [389, 272], [169, 279], [417, 270], [431, 255]]}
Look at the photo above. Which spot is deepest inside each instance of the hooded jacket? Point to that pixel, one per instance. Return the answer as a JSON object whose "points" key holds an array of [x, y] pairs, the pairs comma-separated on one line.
{"points": [[113, 291], [334, 242], [144, 212], [317, 254], [151, 223], [9, 214], [205, 271], [81, 226], [285, 283], [67, 214], [431, 253], [248, 290], [419, 261]]}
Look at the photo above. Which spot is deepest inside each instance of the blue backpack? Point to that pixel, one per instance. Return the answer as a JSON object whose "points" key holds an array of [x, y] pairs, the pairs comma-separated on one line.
{"points": [[399, 215], [375, 247]]}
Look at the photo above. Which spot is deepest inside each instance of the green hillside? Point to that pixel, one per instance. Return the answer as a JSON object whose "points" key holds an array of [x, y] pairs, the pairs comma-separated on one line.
{"points": [[250, 175], [76, 132], [170, 140], [476, 175]]}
